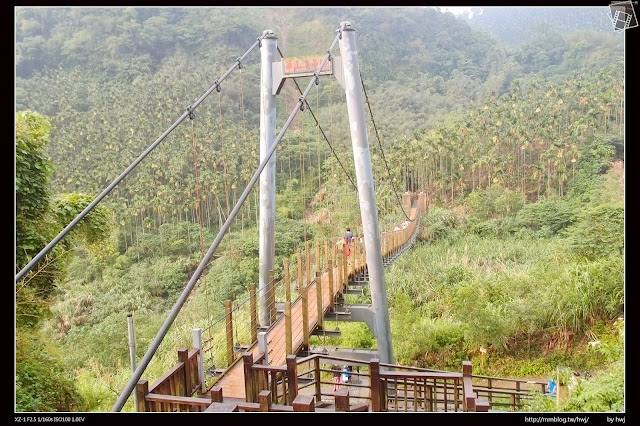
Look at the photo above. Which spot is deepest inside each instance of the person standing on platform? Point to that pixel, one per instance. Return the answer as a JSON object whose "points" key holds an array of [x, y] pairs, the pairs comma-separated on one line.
{"points": [[336, 376]]}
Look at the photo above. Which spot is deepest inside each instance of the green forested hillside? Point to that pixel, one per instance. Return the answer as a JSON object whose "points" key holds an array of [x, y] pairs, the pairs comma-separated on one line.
{"points": [[514, 145], [530, 21]]}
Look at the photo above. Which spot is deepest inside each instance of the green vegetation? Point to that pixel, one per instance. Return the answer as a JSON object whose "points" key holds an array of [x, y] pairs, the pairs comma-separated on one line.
{"points": [[532, 282], [518, 148], [601, 393], [44, 382]]}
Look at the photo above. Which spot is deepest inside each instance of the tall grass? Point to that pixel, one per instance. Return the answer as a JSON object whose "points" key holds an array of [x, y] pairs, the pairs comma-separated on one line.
{"points": [[491, 291]]}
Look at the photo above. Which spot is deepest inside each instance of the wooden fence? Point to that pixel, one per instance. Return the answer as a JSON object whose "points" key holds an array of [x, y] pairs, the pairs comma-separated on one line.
{"points": [[173, 391]]}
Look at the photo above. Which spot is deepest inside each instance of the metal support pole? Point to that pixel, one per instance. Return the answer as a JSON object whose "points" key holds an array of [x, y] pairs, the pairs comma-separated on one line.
{"points": [[364, 176], [263, 347], [268, 55], [132, 352], [197, 343]]}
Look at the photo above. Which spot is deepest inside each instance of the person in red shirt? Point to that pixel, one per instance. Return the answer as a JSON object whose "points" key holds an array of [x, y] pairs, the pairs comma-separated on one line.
{"points": [[348, 237]]}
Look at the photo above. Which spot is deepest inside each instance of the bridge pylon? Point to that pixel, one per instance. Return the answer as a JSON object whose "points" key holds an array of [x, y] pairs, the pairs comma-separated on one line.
{"points": [[366, 194], [267, 247]]}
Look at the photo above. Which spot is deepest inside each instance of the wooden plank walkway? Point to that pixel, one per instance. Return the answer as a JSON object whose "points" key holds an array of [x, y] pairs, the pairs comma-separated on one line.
{"points": [[232, 380]]}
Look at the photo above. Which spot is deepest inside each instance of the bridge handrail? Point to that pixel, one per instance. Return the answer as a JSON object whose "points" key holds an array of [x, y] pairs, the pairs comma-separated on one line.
{"points": [[331, 357], [378, 396], [180, 381], [155, 402], [183, 375], [383, 385], [410, 367], [419, 375], [510, 379]]}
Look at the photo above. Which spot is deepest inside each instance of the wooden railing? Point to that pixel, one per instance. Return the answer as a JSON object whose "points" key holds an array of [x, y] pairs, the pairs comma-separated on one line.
{"points": [[173, 391], [504, 392], [385, 390], [311, 379], [301, 403], [426, 390], [303, 382], [402, 391], [280, 381]]}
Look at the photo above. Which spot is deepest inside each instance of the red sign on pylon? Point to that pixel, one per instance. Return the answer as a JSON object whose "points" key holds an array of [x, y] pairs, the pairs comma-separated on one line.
{"points": [[304, 66]]}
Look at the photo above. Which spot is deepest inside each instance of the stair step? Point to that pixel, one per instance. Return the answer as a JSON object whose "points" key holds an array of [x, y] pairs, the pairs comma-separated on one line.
{"points": [[216, 371], [240, 348], [326, 332]]}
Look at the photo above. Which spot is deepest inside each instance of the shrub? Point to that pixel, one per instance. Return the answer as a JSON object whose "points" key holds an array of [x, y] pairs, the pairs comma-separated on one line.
{"points": [[414, 333], [439, 223], [595, 159], [547, 216], [42, 381], [500, 227], [603, 392], [598, 231], [477, 305], [494, 202]]}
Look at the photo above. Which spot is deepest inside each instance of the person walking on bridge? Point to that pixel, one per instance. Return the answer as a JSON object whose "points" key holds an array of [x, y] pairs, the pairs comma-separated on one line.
{"points": [[348, 237]]}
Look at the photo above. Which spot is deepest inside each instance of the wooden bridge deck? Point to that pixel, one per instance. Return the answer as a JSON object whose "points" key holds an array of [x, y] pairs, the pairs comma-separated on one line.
{"points": [[232, 380]]}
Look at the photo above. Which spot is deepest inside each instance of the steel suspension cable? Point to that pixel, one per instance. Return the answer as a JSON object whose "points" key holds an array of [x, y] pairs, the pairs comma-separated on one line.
{"points": [[187, 113], [375, 128], [144, 362]]}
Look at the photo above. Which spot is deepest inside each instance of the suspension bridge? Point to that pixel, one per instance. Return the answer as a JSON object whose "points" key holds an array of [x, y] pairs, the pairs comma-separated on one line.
{"points": [[257, 357]]}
